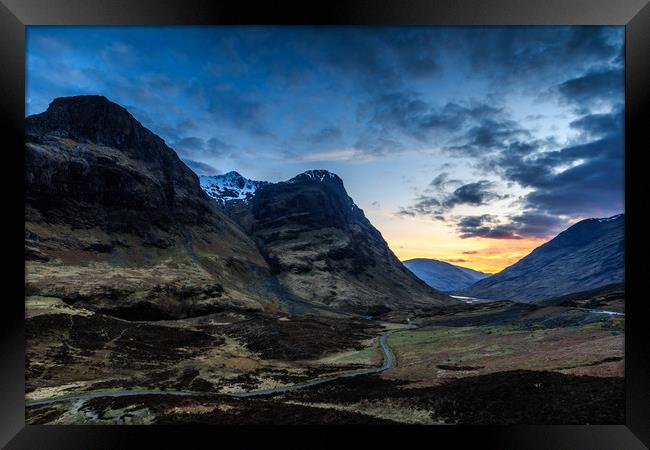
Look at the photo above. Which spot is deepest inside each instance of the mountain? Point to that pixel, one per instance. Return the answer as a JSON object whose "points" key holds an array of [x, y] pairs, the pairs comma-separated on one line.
{"points": [[610, 297], [443, 276], [323, 249], [115, 221], [229, 187], [587, 255]]}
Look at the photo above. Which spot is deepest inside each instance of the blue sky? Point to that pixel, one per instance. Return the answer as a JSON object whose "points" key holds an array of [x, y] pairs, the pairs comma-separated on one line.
{"points": [[468, 144]]}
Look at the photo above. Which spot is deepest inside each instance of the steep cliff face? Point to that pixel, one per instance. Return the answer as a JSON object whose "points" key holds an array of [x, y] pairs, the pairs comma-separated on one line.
{"points": [[89, 151], [115, 220], [323, 249], [588, 255]]}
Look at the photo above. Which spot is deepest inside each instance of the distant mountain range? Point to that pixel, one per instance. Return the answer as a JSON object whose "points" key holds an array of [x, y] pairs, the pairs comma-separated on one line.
{"points": [[319, 243], [443, 276], [587, 255]]}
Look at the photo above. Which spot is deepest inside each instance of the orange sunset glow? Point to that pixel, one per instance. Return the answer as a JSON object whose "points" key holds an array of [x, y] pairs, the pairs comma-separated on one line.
{"points": [[484, 255], [438, 240]]}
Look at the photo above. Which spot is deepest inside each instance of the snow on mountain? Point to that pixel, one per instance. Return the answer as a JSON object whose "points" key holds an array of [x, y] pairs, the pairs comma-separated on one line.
{"points": [[229, 187], [610, 219], [318, 175], [232, 186]]}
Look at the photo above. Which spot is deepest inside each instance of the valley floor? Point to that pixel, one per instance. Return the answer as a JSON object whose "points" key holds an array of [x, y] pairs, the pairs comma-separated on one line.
{"points": [[499, 363]]}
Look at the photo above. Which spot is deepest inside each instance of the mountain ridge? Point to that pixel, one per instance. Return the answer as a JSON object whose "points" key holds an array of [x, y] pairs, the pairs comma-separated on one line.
{"points": [[228, 187], [443, 276], [589, 254], [322, 247]]}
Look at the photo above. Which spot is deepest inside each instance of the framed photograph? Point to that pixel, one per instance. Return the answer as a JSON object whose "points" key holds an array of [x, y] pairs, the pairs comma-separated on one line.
{"points": [[385, 218]]}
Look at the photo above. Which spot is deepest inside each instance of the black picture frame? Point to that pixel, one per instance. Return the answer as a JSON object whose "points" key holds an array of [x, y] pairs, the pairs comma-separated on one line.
{"points": [[16, 14]]}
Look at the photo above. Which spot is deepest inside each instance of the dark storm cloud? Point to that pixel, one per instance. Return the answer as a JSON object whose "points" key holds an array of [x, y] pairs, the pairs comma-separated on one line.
{"points": [[598, 125], [475, 194], [474, 128], [520, 55], [578, 180], [478, 193], [525, 225], [591, 42], [201, 168], [594, 184], [593, 89], [485, 226], [423, 206], [378, 58], [489, 135], [470, 222], [531, 224], [387, 58], [581, 179], [404, 114], [408, 113], [441, 181]]}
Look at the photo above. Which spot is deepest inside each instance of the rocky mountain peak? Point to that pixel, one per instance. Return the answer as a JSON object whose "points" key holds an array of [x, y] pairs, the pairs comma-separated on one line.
{"points": [[583, 232], [94, 119], [92, 150], [233, 176], [230, 186], [318, 175]]}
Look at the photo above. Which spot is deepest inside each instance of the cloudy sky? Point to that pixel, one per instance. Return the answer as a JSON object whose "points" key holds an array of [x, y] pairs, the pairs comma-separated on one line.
{"points": [[471, 145]]}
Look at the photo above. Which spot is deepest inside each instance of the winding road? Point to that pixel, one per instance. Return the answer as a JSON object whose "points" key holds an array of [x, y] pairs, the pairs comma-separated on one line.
{"points": [[388, 363]]}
